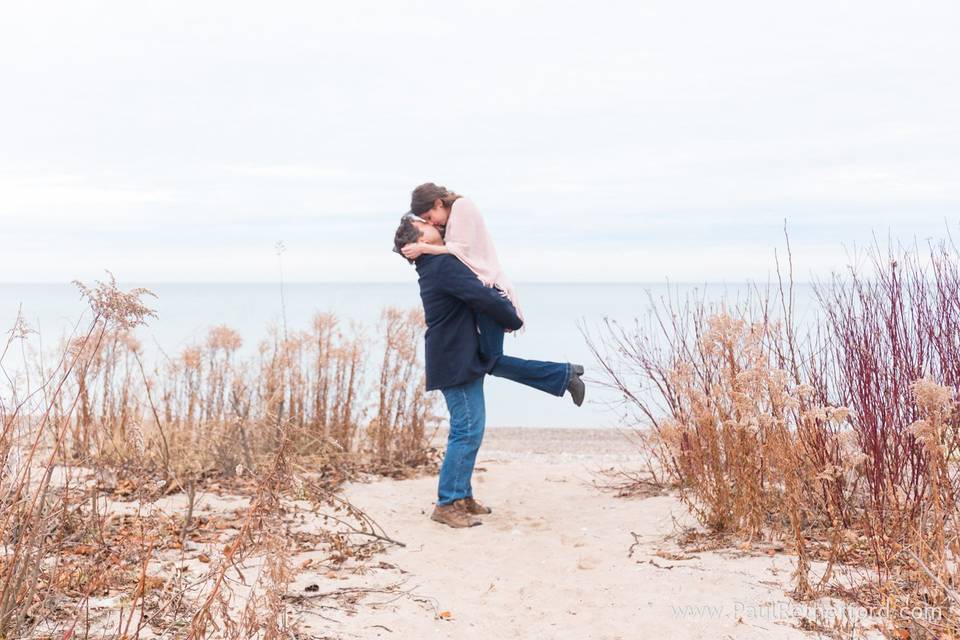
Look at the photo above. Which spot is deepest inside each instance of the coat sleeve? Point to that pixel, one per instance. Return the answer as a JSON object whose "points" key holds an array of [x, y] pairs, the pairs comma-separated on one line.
{"points": [[461, 283]]}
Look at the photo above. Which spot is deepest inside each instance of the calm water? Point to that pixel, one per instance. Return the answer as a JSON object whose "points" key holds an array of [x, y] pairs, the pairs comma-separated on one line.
{"points": [[553, 312]]}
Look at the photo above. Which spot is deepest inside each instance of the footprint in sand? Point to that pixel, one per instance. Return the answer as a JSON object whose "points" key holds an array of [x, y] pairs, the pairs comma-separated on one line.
{"points": [[571, 541]]}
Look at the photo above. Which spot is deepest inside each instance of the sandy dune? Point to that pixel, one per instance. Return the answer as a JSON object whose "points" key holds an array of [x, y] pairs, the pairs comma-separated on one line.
{"points": [[551, 561]]}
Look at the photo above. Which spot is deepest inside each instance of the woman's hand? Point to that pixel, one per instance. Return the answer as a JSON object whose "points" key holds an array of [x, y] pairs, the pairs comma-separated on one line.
{"points": [[413, 250]]}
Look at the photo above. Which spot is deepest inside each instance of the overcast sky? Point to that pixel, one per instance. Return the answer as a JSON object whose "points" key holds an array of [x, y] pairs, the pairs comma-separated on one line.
{"points": [[179, 141]]}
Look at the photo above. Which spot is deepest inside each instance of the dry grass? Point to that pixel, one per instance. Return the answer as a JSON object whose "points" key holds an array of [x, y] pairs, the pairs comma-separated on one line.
{"points": [[95, 423], [843, 444]]}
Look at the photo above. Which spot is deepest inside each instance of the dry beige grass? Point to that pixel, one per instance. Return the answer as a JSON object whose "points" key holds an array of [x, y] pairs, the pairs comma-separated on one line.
{"points": [[95, 419]]}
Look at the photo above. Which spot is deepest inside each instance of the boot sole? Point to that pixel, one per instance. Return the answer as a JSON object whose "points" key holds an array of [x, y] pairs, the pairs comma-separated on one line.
{"points": [[455, 525]]}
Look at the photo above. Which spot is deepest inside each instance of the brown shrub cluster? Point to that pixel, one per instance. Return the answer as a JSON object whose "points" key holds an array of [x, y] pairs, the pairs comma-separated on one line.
{"points": [[840, 436], [287, 424]]}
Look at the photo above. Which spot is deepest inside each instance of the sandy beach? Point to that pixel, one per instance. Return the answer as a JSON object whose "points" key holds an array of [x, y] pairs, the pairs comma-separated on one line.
{"points": [[553, 560]]}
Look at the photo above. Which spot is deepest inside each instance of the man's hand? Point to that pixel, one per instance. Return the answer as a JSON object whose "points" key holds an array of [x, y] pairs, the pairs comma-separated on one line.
{"points": [[412, 251]]}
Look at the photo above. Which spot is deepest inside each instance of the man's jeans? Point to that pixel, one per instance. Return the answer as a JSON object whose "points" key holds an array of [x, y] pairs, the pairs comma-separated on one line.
{"points": [[468, 413], [467, 421]]}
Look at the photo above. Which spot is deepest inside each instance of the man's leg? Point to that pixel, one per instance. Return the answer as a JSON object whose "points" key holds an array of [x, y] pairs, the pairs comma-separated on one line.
{"points": [[467, 417], [479, 412], [551, 377]]}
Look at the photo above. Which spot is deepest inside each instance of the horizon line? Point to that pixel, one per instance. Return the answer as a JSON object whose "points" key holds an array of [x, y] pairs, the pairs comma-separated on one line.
{"points": [[401, 282]]}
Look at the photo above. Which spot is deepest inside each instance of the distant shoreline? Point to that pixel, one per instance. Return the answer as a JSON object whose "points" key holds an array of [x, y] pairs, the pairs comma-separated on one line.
{"points": [[606, 443]]}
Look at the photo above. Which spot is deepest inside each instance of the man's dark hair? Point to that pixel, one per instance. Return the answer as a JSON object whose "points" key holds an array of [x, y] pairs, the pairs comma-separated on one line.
{"points": [[406, 233]]}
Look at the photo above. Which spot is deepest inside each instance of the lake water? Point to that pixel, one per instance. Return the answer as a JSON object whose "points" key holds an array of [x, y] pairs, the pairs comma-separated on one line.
{"points": [[553, 313]]}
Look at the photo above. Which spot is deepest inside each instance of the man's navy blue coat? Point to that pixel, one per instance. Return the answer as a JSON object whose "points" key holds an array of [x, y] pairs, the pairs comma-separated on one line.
{"points": [[451, 293]]}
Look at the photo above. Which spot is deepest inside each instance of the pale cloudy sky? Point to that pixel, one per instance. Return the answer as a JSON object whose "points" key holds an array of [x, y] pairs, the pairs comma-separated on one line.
{"points": [[179, 141]]}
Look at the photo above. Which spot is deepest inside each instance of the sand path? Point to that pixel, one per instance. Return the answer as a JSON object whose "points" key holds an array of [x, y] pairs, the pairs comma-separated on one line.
{"points": [[551, 561]]}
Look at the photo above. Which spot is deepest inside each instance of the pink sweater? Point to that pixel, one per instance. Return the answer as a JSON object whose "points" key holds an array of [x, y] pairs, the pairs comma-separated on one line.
{"points": [[467, 238]]}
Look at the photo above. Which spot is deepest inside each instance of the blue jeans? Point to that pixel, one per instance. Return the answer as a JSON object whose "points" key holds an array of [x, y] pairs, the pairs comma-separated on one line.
{"points": [[467, 422], [468, 412], [550, 377]]}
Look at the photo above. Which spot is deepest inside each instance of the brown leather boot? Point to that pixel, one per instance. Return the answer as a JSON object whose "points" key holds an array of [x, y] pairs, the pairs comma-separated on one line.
{"points": [[472, 506], [454, 515]]}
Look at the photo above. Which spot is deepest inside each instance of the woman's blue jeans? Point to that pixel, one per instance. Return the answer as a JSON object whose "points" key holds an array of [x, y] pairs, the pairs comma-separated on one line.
{"points": [[468, 413], [550, 377]]}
